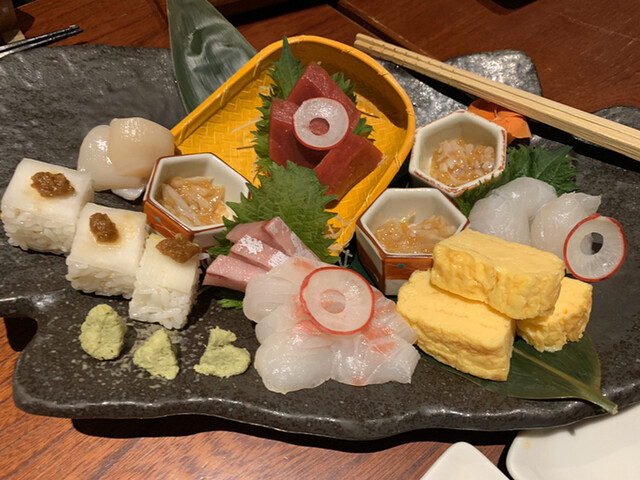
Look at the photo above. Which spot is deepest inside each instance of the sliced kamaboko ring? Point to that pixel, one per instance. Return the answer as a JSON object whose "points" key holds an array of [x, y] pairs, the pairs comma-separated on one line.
{"points": [[595, 248], [320, 123], [338, 300]]}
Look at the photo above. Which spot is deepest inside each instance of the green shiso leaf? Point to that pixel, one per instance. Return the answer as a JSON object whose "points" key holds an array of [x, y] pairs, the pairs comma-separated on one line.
{"points": [[555, 168], [285, 72], [345, 85], [206, 49], [296, 196], [573, 372], [230, 303]]}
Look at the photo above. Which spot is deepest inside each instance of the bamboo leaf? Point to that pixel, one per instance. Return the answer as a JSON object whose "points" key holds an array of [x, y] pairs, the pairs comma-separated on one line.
{"points": [[206, 49], [573, 372]]}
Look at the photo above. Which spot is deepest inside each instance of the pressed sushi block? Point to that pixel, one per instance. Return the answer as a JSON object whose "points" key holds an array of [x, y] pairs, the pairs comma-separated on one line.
{"points": [[165, 288], [196, 204], [37, 219], [397, 233], [457, 152], [106, 264]]}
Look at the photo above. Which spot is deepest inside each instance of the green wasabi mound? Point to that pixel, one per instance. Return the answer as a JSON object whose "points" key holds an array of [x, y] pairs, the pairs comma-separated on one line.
{"points": [[102, 333], [158, 356], [221, 358]]}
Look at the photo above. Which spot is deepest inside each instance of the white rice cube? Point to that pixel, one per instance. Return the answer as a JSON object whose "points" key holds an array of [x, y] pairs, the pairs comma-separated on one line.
{"points": [[165, 289], [107, 268], [45, 224]]}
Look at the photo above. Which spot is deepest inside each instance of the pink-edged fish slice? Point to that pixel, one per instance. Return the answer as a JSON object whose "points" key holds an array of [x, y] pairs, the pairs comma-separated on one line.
{"points": [[254, 251], [230, 272], [286, 239]]}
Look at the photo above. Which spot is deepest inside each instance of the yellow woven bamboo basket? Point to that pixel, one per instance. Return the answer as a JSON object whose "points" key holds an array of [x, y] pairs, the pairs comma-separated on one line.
{"points": [[223, 123]]}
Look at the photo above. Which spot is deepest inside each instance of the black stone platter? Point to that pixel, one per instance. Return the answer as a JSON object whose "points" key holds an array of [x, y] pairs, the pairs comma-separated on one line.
{"points": [[50, 98]]}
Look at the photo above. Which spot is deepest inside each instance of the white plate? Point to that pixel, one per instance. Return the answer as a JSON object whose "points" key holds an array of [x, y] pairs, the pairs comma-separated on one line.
{"points": [[606, 447], [462, 461]]}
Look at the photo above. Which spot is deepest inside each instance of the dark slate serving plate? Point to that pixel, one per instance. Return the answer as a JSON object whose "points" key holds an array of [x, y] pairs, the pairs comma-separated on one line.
{"points": [[50, 98]]}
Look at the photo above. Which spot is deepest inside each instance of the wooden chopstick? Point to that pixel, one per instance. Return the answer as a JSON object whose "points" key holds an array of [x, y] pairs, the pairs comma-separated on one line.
{"points": [[38, 41], [603, 132]]}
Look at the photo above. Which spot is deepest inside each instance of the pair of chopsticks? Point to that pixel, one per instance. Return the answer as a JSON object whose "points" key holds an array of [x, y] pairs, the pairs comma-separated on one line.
{"points": [[603, 132], [38, 41]]}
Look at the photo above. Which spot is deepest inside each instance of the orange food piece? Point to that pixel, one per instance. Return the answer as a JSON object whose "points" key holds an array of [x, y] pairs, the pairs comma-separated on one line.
{"points": [[515, 124]]}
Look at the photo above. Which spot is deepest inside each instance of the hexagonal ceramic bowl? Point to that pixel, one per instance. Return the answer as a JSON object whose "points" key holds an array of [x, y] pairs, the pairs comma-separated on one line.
{"points": [[390, 270], [207, 164], [472, 129]]}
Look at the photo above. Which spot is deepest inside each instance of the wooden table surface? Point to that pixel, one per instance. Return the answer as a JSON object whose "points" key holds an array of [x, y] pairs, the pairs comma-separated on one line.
{"points": [[587, 55]]}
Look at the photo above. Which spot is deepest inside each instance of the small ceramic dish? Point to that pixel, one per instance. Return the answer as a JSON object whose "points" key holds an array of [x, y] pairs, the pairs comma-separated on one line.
{"points": [[200, 164], [462, 124], [390, 270], [463, 461], [606, 446]]}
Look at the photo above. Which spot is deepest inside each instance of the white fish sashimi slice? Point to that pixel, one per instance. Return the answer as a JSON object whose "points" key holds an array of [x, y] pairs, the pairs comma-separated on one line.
{"points": [[264, 293], [94, 159], [296, 269], [386, 316], [508, 210], [554, 221], [296, 354], [363, 359], [285, 366], [280, 320]]}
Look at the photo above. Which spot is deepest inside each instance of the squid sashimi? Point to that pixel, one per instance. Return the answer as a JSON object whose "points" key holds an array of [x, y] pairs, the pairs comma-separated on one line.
{"points": [[297, 352], [554, 221], [508, 210]]}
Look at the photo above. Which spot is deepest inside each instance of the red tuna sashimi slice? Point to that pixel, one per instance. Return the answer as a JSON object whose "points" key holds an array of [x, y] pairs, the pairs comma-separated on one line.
{"points": [[283, 144], [348, 163], [286, 239], [258, 253], [230, 273], [316, 82]]}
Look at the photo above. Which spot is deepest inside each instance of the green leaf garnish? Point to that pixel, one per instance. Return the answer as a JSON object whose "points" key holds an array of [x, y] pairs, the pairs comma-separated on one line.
{"points": [[573, 372], [296, 196], [230, 303], [555, 168], [347, 86], [285, 72], [206, 49]]}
